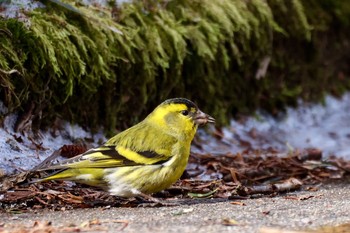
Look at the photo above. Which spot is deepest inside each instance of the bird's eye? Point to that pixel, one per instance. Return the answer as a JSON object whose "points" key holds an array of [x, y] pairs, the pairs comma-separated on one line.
{"points": [[184, 112]]}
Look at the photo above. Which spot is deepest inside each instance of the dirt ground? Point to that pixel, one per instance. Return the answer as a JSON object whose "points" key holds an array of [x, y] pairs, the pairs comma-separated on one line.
{"points": [[295, 211]]}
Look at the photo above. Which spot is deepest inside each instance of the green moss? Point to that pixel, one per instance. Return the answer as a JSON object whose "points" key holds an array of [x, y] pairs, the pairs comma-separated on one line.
{"points": [[82, 64]]}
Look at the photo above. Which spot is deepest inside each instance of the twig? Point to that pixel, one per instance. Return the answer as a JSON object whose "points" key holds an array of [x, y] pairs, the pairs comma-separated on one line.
{"points": [[10, 72]]}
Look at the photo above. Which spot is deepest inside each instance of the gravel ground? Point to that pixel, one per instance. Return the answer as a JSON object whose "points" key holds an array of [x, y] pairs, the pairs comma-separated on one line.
{"points": [[303, 210]]}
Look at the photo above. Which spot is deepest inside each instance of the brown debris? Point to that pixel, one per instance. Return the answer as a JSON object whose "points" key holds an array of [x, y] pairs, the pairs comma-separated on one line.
{"points": [[259, 167], [237, 203], [266, 212], [325, 229], [288, 185], [333, 229], [95, 225], [276, 230], [244, 175], [69, 151], [230, 222], [8, 182], [302, 197]]}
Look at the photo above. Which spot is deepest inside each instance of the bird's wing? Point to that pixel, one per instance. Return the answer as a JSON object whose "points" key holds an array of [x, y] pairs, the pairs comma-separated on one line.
{"points": [[115, 156], [141, 144], [109, 156]]}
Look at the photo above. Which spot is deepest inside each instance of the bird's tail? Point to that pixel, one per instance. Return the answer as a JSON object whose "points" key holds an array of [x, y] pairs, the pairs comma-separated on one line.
{"points": [[80, 175], [50, 175]]}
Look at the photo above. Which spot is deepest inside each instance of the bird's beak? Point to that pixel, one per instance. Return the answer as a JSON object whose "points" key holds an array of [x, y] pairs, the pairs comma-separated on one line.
{"points": [[201, 118]]}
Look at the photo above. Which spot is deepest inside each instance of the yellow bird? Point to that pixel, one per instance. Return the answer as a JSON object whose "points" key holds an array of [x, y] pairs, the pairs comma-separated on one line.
{"points": [[144, 159]]}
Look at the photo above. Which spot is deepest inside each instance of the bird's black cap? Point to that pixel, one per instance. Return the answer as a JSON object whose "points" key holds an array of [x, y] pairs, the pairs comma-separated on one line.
{"points": [[185, 101]]}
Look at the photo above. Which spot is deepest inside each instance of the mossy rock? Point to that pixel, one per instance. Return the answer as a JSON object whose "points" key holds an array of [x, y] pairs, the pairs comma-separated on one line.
{"points": [[109, 66]]}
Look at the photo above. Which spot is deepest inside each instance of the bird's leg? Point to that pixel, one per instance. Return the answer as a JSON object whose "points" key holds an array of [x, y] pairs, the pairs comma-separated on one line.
{"points": [[149, 198], [156, 201]]}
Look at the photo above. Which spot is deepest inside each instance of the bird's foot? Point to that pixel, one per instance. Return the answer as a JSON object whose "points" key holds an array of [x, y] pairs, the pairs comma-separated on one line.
{"points": [[153, 202]]}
